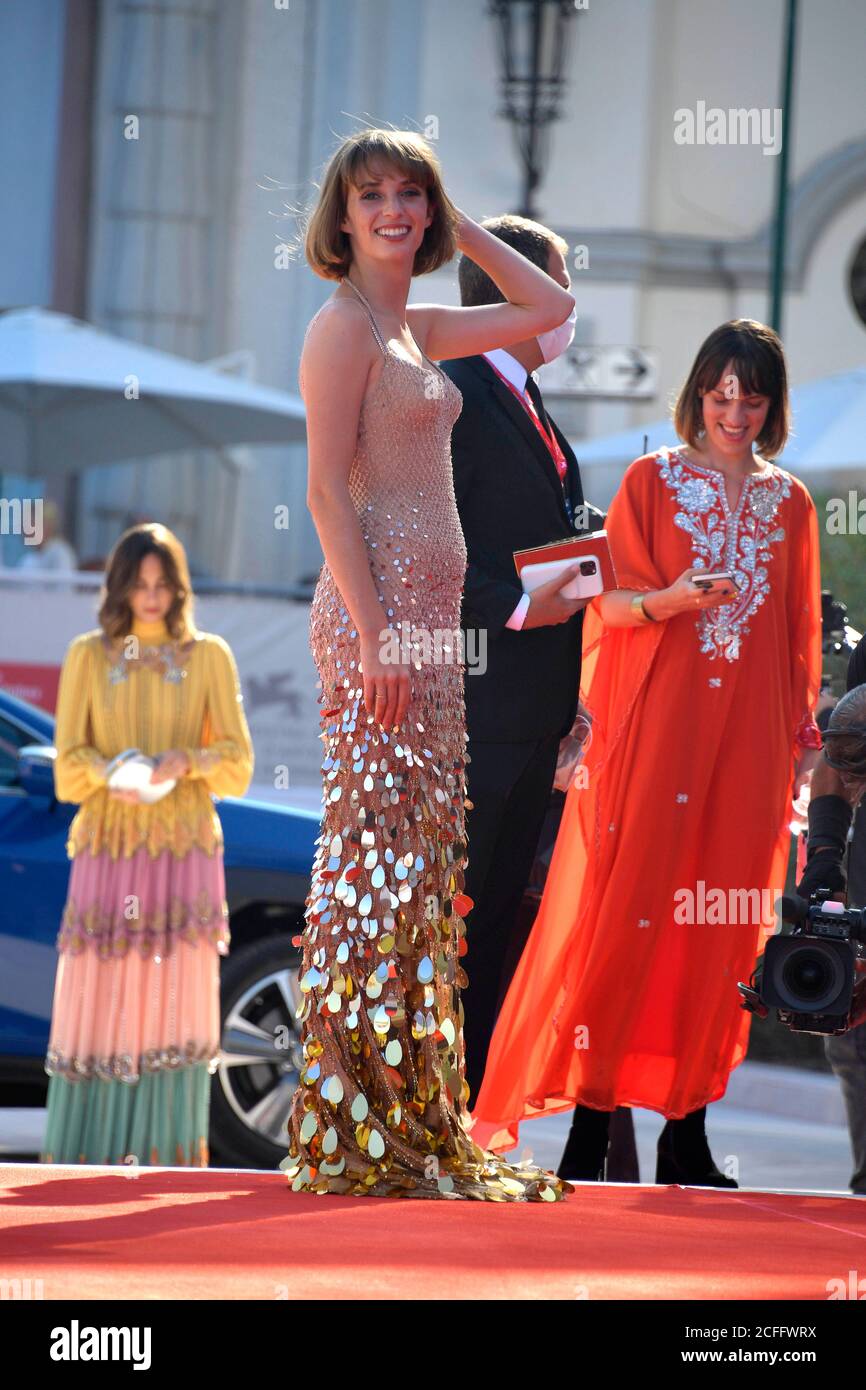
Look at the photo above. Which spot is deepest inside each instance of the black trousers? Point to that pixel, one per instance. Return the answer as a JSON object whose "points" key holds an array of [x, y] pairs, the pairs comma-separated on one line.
{"points": [[509, 785]]}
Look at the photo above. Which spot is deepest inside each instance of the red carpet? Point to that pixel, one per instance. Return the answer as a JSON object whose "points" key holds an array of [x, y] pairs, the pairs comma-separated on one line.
{"points": [[220, 1233]]}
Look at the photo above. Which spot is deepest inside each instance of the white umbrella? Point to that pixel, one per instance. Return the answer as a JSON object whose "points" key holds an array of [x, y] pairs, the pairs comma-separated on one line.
{"points": [[72, 396], [622, 448], [603, 461], [829, 425], [829, 431]]}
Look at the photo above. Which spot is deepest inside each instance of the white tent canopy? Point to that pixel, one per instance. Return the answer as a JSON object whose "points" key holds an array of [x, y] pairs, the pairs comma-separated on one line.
{"points": [[829, 431], [72, 396], [827, 444]]}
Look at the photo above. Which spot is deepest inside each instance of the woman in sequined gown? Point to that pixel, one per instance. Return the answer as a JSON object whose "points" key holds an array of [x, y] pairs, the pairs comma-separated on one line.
{"points": [[381, 1104]]}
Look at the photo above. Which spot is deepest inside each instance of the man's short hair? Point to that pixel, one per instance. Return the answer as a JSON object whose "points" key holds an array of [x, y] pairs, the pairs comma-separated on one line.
{"points": [[845, 739], [530, 238]]}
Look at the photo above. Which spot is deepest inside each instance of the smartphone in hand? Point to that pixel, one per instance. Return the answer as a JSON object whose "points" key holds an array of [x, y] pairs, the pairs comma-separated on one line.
{"points": [[712, 583]]}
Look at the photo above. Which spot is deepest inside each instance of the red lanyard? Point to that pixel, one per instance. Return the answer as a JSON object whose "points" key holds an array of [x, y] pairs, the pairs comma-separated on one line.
{"points": [[550, 440]]}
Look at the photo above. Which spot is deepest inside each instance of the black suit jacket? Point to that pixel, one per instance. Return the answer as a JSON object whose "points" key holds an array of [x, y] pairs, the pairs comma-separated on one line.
{"points": [[509, 497], [857, 846]]}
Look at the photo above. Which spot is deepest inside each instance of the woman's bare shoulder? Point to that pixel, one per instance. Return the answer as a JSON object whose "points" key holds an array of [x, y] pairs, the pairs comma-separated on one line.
{"points": [[337, 320], [338, 340]]}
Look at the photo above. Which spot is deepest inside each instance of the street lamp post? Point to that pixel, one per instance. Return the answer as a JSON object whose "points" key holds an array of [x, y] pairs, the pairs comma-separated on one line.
{"points": [[777, 286], [533, 39]]}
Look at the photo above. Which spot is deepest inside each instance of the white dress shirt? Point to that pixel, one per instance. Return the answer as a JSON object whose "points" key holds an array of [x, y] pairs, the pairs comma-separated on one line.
{"points": [[512, 370]]}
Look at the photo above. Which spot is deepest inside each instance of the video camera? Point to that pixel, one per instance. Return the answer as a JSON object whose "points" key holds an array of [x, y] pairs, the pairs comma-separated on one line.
{"points": [[809, 975]]}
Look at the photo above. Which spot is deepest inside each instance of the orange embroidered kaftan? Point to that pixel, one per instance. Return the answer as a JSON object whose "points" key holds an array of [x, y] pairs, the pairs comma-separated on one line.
{"points": [[619, 998]]}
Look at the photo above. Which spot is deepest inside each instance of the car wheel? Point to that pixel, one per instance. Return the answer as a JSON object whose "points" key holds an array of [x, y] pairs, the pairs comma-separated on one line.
{"points": [[260, 1055]]}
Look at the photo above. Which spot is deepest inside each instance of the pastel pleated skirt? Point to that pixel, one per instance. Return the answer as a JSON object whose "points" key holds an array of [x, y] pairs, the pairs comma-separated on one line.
{"points": [[135, 1023]]}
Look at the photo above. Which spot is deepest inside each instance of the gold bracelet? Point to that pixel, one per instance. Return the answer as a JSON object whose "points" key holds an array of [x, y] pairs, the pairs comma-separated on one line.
{"points": [[639, 611]]}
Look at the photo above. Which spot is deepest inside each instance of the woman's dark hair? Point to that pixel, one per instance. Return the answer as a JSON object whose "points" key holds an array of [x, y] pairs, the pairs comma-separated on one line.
{"points": [[121, 576], [757, 361], [328, 249], [530, 238]]}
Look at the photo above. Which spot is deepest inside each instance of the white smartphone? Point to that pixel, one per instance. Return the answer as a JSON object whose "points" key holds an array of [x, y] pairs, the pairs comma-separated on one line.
{"points": [[586, 584]]}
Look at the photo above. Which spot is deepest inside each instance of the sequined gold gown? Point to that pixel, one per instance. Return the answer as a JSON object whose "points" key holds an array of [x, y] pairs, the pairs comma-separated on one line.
{"points": [[381, 1104]]}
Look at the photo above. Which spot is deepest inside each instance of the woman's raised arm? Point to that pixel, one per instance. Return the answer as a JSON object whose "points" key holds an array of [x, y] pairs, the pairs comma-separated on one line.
{"points": [[534, 304]]}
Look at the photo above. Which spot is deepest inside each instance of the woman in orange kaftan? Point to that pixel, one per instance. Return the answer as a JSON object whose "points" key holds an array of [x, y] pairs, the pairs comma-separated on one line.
{"points": [[626, 993]]}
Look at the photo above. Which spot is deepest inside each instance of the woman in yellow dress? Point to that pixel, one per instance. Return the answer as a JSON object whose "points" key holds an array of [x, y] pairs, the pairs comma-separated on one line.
{"points": [[135, 1023]]}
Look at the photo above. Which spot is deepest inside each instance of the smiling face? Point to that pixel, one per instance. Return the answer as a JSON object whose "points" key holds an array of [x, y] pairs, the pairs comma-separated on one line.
{"points": [[387, 214], [733, 416], [151, 595]]}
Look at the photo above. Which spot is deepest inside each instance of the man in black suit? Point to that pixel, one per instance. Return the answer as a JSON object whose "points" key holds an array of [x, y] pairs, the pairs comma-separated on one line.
{"points": [[517, 485]]}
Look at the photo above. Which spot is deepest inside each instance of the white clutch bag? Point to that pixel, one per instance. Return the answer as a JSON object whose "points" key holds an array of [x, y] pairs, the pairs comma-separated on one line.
{"points": [[130, 772]]}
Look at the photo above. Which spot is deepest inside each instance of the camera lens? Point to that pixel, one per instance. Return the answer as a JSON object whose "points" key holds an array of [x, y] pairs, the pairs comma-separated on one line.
{"points": [[587, 567], [807, 976], [811, 978]]}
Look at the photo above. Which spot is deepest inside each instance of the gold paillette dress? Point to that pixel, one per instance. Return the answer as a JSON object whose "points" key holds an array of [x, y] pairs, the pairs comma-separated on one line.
{"points": [[381, 1105]]}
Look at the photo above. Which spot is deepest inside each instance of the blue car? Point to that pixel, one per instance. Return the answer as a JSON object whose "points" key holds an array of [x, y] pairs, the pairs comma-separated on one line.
{"points": [[268, 860]]}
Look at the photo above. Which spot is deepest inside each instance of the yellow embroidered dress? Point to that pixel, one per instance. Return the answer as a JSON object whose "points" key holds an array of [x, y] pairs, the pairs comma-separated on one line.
{"points": [[135, 1023]]}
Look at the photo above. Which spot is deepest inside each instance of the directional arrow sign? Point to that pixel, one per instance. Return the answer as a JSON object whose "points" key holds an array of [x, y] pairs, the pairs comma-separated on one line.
{"points": [[602, 373]]}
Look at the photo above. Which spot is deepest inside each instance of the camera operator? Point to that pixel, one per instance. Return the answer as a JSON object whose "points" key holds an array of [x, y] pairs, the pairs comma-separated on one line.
{"points": [[838, 783]]}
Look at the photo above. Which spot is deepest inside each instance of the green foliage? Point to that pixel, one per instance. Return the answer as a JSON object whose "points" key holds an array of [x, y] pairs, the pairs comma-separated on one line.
{"points": [[843, 562]]}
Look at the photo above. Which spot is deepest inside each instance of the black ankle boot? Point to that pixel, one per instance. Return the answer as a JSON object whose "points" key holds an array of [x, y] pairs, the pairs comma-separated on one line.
{"points": [[684, 1155], [586, 1146]]}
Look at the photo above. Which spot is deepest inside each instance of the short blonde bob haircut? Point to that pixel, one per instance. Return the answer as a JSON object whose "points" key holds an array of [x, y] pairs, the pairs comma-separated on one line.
{"points": [[757, 361], [328, 249]]}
